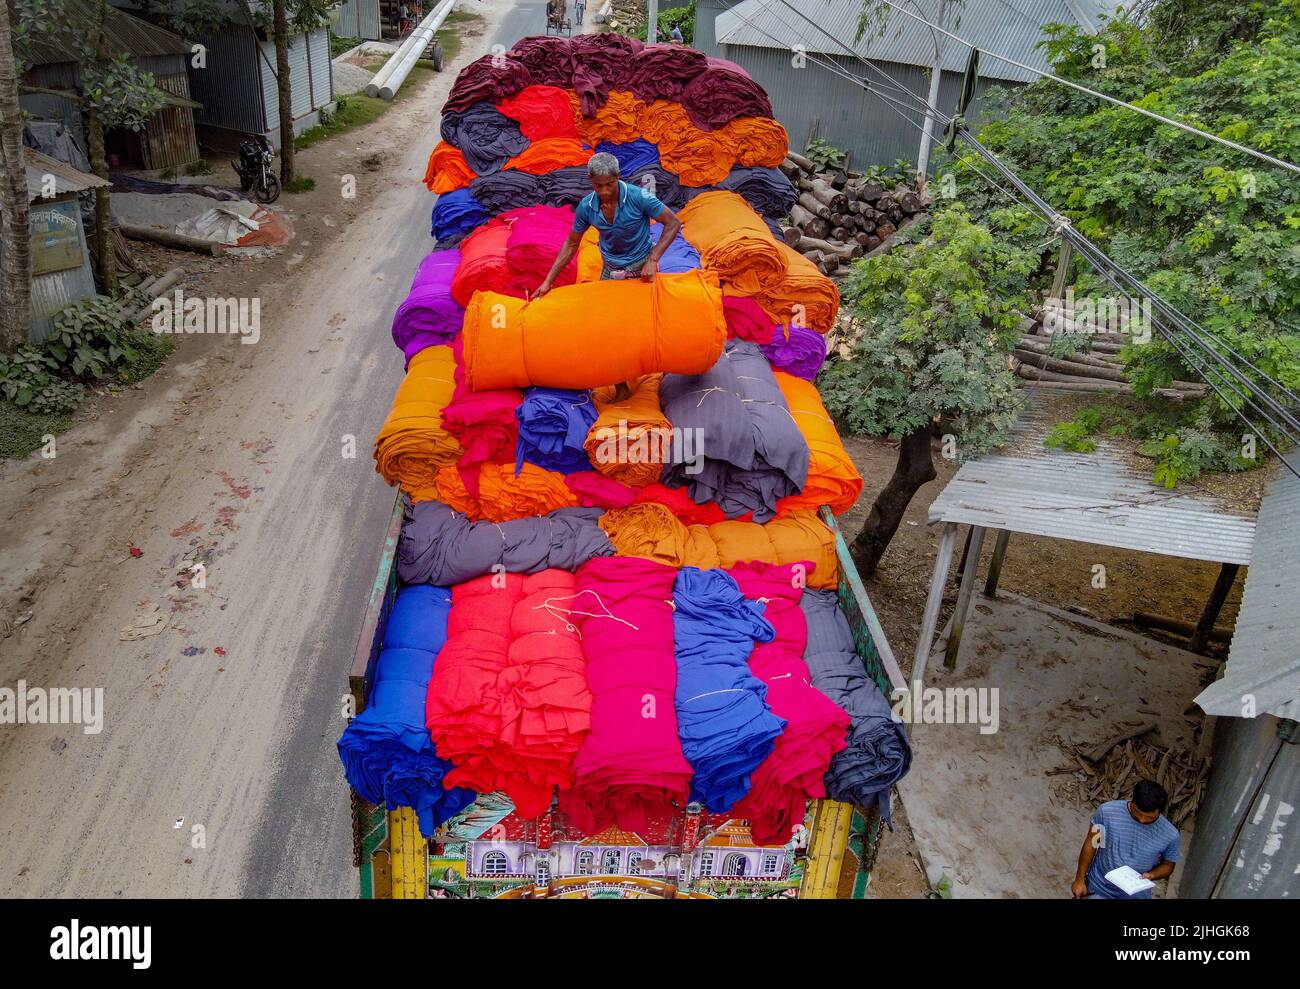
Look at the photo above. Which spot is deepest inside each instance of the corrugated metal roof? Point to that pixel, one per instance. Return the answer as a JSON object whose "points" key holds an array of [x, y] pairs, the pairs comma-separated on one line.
{"points": [[1089, 498], [66, 178], [1264, 660], [126, 35], [1009, 27]]}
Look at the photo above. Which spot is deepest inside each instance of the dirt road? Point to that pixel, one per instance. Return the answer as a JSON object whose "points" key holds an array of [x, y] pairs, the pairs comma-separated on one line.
{"points": [[215, 772]]}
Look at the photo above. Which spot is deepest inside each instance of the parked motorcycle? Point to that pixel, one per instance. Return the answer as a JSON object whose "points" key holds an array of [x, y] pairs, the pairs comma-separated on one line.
{"points": [[254, 169]]}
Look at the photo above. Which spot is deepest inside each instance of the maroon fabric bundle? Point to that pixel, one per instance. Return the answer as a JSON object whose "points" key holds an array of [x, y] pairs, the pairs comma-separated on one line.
{"points": [[601, 62], [548, 59], [492, 78], [721, 93], [662, 72]]}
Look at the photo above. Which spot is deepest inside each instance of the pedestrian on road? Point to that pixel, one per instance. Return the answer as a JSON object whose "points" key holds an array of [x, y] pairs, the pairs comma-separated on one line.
{"points": [[403, 20], [1133, 833], [677, 35], [580, 6]]}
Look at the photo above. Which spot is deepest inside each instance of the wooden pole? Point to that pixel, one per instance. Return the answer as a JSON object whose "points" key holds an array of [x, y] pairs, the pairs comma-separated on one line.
{"points": [[963, 598], [1205, 627], [995, 564], [933, 601]]}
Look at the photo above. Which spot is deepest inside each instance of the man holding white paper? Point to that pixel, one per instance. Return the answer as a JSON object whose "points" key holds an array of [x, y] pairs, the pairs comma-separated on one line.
{"points": [[1130, 845]]}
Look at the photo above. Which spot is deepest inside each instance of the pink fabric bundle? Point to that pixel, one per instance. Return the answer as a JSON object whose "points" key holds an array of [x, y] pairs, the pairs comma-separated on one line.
{"points": [[594, 490], [508, 702], [512, 253], [483, 423], [483, 264], [746, 319], [816, 727], [542, 111], [630, 767]]}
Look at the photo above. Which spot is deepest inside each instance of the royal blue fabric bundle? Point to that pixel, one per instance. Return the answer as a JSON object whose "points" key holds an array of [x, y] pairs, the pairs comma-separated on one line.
{"points": [[725, 725], [455, 214], [633, 155], [388, 757], [553, 425], [680, 256], [485, 136]]}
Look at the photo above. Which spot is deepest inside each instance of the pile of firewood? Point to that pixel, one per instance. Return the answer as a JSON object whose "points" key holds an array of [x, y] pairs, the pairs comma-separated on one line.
{"points": [[841, 215]]}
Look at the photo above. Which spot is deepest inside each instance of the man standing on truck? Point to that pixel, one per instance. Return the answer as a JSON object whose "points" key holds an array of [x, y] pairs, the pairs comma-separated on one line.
{"points": [[1133, 833]]}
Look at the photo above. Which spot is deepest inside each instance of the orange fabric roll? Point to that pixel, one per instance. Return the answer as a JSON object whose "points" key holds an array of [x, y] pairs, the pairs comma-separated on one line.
{"points": [[700, 159], [650, 531], [502, 496], [619, 120], [629, 439], [595, 333], [804, 295], [413, 445], [590, 261], [665, 123], [447, 170], [734, 242], [759, 141], [832, 478], [549, 154]]}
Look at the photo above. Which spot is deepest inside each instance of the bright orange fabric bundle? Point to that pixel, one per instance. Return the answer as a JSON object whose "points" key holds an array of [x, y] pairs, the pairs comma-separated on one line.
{"points": [[733, 241], [665, 123], [804, 295], [618, 121], [700, 159], [832, 478], [502, 496], [447, 170], [590, 261], [413, 445], [652, 532], [629, 439], [549, 154], [760, 142], [595, 333]]}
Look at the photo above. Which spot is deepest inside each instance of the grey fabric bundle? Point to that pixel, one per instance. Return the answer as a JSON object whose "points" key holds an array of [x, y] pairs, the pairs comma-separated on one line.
{"points": [[485, 136], [878, 754], [441, 546], [737, 418]]}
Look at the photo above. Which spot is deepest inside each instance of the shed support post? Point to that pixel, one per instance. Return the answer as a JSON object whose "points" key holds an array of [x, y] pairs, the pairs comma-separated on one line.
{"points": [[963, 598], [1062, 270], [934, 600], [995, 564], [1204, 627]]}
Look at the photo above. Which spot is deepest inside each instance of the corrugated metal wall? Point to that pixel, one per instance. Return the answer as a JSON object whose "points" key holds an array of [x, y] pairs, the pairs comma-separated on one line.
{"points": [[228, 86], [356, 19], [56, 289], [169, 134], [322, 79], [300, 79]]}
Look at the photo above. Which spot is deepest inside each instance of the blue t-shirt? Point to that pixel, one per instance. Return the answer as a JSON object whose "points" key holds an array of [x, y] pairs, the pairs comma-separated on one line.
{"points": [[1125, 841], [626, 241]]}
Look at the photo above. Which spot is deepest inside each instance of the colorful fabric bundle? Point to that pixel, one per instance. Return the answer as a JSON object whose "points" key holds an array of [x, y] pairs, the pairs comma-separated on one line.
{"points": [[486, 137], [617, 121], [651, 531], [629, 769], [878, 754], [536, 235], [767, 190], [803, 295], [633, 156], [542, 111], [548, 59], [502, 494], [548, 154], [483, 423], [455, 214], [680, 255], [483, 263], [429, 315], [721, 93], [815, 728], [447, 170], [553, 424], [629, 439], [673, 323], [752, 453], [725, 724], [601, 63], [797, 350], [733, 241], [832, 478], [662, 71], [492, 78], [413, 445], [508, 700], [746, 319], [595, 490], [388, 756], [439, 545]]}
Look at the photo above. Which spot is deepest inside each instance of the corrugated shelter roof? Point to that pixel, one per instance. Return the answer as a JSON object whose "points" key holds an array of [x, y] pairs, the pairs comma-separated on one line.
{"points": [[1093, 498], [126, 35], [1264, 660], [1009, 27], [66, 178]]}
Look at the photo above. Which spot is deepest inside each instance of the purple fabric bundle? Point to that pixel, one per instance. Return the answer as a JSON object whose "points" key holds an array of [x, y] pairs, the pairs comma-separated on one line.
{"points": [[721, 93], [662, 71], [485, 136], [492, 78], [549, 60], [429, 316], [801, 353], [601, 62]]}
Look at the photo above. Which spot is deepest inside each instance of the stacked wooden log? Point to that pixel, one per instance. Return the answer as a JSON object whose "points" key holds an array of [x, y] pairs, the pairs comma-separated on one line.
{"points": [[1095, 366], [842, 215]]}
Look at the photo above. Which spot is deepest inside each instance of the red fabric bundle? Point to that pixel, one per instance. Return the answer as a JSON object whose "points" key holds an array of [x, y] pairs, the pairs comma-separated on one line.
{"points": [[549, 60], [630, 767], [483, 263], [816, 727], [508, 702], [746, 319], [536, 235], [542, 111], [492, 78], [595, 490]]}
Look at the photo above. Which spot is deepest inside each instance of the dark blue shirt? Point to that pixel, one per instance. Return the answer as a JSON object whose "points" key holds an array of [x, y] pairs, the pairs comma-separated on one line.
{"points": [[626, 241], [1126, 841]]}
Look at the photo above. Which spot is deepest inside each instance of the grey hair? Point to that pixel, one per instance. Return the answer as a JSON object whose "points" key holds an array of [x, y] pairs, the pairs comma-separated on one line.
{"points": [[603, 163]]}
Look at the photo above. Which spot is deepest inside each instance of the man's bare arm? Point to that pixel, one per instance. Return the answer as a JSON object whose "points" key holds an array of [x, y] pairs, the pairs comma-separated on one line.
{"points": [[1086, 854]]}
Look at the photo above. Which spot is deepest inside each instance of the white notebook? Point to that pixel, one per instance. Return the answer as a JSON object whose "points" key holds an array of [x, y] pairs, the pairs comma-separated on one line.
{"points": [[1129, 880]]}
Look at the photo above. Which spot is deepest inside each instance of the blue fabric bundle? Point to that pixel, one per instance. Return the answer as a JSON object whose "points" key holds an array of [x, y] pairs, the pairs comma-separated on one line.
{"points": [[553, 425], [388, 757], [485, 136], [680, 256], [455, 214], [725, 725], [765, 189], [632, 156]]}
